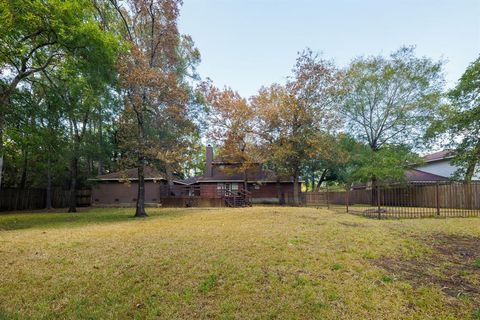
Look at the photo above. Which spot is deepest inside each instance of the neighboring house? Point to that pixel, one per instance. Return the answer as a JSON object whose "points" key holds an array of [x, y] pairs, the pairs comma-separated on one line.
{"points": [[221, 184], [222, 175], [418, 176], [436, 167], [121, 188]]}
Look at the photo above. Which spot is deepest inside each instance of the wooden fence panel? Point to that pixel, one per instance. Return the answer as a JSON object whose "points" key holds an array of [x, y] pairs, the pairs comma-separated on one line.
{"points": [[12, 199], [18, 199]]}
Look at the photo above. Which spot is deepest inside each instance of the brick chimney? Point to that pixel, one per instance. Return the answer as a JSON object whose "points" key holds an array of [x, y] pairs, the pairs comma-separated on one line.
{"points": [[208, 161]]}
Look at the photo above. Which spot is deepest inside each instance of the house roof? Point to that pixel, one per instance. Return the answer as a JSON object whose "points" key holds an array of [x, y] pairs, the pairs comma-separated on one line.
{"points": [[411, 175], [414, 175], [437, 156], [131, 174]]}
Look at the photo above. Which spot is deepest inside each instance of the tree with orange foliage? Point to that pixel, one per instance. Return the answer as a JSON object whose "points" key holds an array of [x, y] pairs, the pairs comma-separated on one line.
{"points": [[292, 120], [152, 78], [230, 119]]}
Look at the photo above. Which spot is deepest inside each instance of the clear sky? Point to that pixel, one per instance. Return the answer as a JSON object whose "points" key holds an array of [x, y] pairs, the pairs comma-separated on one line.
{"points": [[249, 43]]}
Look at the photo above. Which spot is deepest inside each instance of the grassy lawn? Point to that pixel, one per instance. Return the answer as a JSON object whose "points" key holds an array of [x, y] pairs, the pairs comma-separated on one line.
{"points": [[254, 263]]}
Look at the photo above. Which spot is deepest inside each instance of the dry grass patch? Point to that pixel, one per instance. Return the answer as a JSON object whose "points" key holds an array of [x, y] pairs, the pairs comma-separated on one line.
{"points": [[260, 263]]}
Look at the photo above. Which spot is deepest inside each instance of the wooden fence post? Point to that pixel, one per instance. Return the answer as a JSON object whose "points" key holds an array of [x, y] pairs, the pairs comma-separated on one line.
{"points": [[437, 198]]}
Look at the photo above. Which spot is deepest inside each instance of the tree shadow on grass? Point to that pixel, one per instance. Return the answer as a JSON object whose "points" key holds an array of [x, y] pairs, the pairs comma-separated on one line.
{"points": [[17, 221]]}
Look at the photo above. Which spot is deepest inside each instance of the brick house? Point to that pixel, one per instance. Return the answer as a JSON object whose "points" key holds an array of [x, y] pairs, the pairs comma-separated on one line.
{"points": [[121, 188], [223, 176], [221, 184]]}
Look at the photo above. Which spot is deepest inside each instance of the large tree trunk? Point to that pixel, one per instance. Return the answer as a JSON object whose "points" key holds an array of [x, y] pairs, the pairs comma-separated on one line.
{"points": [[73, 184], [140, 207]]}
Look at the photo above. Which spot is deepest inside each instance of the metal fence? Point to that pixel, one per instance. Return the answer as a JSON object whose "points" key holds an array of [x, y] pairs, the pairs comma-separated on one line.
{"points": [[413, 200]]}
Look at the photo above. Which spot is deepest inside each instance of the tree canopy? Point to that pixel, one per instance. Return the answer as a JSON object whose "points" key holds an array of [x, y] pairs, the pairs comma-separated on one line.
{"points": [[293, 120], [457, 125], [156, 120]]}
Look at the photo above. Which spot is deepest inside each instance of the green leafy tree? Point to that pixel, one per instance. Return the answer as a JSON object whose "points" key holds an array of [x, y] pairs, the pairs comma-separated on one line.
{"points": [[334, 161], [457, 125], [78, 93], [387, 164], [35, 148], [35, 36], [389, 101]]}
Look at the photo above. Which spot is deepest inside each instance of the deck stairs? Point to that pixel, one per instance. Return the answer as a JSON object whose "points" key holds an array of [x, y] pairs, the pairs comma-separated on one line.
{"points": [[237, 199]]}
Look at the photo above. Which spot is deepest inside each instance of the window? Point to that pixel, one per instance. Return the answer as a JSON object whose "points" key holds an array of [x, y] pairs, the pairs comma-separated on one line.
{"points": [[227, 186]]}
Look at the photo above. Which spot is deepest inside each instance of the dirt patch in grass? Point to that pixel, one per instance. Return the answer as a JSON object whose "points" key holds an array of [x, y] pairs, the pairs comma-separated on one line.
{"points": [[451, 266]]}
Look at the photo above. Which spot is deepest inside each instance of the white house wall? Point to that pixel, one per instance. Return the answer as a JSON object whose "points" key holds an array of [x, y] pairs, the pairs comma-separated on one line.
{"points": [[441, 168], [444, 168]]}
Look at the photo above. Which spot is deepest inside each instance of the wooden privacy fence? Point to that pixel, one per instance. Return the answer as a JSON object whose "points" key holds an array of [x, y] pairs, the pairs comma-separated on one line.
{"points": [[414, 200], [12, 199]]}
